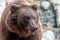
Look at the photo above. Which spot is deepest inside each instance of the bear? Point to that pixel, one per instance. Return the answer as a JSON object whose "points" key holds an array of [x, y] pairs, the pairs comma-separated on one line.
{"points": [[20, 21]]}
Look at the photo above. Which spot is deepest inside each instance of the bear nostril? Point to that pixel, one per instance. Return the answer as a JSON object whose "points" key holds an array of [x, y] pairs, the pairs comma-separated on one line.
{"points": [[35, 28]]}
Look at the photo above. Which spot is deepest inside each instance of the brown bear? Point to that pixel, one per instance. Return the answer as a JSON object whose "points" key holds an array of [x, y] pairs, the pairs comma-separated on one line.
{"points": [[20, 21]]}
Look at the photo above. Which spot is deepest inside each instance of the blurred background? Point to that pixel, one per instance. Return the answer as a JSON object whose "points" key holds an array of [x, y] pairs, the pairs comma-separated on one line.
{"points": [[49, 12]]}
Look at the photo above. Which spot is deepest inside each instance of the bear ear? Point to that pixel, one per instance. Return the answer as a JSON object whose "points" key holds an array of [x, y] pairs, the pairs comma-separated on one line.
{"points": [[14, 8], [13, 17], [34, 6]]}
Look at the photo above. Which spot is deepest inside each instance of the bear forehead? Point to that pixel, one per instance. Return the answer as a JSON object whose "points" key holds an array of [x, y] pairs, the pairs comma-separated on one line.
{"points": [[27, 12]]}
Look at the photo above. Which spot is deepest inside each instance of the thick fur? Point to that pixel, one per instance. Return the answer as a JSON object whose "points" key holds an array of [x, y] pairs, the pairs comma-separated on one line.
{"points": [[11, 21]]}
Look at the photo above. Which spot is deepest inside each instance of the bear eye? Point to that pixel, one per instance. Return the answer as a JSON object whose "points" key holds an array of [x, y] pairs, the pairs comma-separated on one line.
{"points": [[34, 17], [27, 18]]}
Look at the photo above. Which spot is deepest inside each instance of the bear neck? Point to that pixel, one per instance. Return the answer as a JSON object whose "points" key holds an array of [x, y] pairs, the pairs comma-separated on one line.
{"points": [[13, 36]]}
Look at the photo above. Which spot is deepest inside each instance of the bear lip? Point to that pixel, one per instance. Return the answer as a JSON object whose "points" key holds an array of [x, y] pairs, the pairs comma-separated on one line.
{"points": [[31, 33]]}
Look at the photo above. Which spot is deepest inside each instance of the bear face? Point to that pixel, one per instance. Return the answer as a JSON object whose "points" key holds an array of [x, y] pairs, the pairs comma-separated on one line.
{"points": [[22, 20]]}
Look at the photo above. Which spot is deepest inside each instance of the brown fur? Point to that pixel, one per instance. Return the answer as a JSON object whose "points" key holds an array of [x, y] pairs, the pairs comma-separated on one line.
{"points": [[11, 18]]}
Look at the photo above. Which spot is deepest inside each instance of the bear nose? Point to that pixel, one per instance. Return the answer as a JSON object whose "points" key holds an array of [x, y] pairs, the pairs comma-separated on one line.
{"points": [[35, 27]]}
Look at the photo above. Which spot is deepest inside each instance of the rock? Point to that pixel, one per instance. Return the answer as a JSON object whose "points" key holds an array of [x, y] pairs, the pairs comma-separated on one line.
{"points": [[48, 35], [55, 1], [45, 4], [2, 6]]}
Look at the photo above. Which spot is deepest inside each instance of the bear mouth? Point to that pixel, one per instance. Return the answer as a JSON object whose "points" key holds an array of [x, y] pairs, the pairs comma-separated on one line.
{"points": [[31, 32]]}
